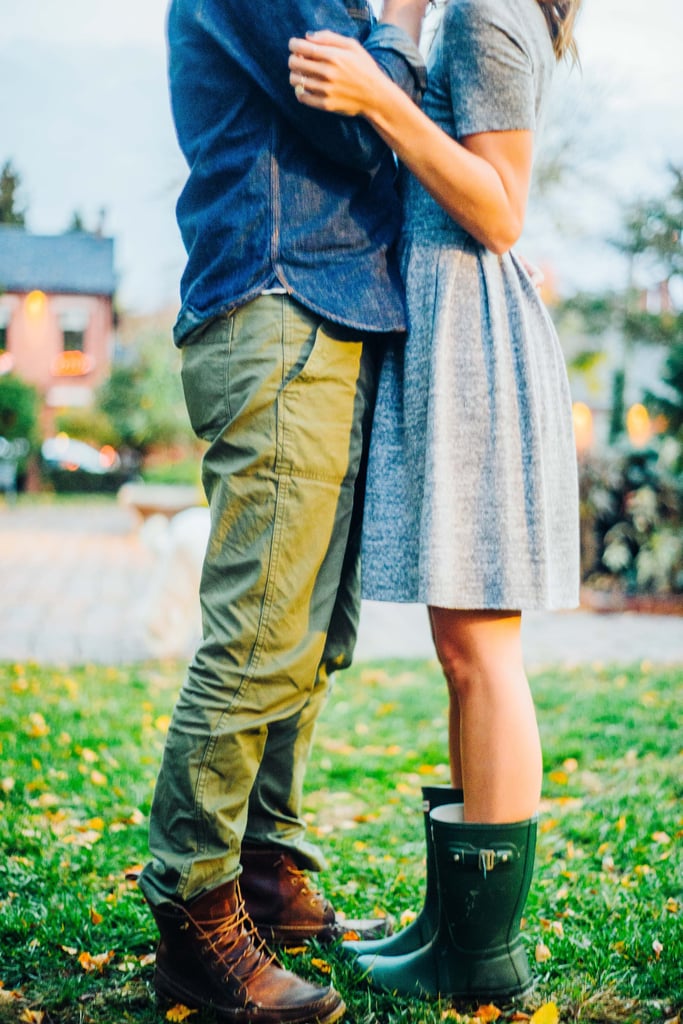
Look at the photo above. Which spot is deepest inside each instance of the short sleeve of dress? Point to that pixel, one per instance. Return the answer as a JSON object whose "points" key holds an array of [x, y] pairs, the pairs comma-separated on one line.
{"points": [[490, 69]]}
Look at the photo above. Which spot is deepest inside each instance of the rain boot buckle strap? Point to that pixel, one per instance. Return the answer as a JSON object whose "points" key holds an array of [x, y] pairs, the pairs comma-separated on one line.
{"points": [[483, 860]]}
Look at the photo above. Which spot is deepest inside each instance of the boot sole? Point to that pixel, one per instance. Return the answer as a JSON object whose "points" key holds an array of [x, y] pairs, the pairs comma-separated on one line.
{"points": [[275, 935], [504, 998], [169, 992]]}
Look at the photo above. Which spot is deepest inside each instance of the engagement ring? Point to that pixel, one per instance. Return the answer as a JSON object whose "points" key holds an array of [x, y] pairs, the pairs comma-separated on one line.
{"points": [[300, 87]]}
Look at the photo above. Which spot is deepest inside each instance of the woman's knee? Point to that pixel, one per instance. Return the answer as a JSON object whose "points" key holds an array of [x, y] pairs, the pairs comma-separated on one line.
{"points": [[474, 646]]}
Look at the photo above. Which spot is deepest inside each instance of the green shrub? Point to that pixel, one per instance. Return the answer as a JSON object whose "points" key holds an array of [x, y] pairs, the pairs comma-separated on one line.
{"points": [[632, 519], [18, 409]]}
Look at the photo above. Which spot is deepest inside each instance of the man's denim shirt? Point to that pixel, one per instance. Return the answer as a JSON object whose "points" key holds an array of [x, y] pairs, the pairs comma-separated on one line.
{"points": [[279, 195]]}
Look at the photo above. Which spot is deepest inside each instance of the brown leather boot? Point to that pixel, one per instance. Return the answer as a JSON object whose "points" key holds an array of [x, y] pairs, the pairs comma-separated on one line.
{"points": [[286, 910], [210, 956]]}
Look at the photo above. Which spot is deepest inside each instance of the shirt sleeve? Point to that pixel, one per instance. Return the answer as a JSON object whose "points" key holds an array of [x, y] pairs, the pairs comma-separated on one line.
{"points": [[490, 70], [258, 39]]}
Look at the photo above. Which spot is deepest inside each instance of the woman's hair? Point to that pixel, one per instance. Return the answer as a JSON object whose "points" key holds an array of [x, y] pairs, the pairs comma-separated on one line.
{"points": [[561, 15]]}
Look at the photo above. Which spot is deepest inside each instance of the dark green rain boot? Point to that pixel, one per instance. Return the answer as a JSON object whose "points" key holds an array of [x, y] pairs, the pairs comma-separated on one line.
{"points": [[419, 931], [484, 873]]}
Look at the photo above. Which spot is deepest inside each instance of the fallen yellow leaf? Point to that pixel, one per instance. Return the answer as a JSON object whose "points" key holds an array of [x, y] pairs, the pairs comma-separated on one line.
{"points": [[547, 1014], [487, 1013], [322, 965], [407, 917], [8, 997], [542, 954], [32, 1016], [179, 1013], [91, 963], [37, 726]]}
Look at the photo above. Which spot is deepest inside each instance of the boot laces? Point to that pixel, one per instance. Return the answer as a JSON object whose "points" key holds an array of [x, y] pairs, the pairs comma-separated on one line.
{"points": [[303, 883], [234, 941]]}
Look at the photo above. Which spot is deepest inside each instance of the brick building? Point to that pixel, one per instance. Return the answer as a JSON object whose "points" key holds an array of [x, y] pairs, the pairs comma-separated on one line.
{"points": [[56, 313]]}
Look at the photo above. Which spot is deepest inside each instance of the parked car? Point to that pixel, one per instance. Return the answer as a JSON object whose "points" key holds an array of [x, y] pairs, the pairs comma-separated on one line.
{"points": [[71, 465], [11, 454]]}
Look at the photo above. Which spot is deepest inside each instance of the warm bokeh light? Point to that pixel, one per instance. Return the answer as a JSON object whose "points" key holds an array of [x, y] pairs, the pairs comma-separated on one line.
{"points": [[72, 364], [6, 362], [583, 426], [108, 456], [35, 304], [638, 425]]}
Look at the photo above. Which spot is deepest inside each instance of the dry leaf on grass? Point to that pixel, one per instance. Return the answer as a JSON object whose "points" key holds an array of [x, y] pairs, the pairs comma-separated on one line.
{"points": [[179, 1013], [542, 953], [32, 1016], [98, 962], [322, 965], [7, 997], [546, 1014], [487, 1014]]}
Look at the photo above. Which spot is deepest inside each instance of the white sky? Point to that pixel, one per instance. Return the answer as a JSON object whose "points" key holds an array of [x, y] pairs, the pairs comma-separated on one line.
{"points": [[635, 44], [84, 114], [77, 21]]}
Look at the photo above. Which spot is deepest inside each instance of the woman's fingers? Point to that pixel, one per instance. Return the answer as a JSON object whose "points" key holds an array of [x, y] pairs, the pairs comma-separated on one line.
{"points": [[316, 42], [332, 68], [305, 78]]}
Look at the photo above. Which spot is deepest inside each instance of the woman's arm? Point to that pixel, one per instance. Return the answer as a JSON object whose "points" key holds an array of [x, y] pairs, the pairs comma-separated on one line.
{"points": [[482, 182], [407, 14]]}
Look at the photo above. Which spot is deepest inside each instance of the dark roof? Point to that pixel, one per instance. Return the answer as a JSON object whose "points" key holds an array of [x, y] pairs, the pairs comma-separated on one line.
{"points": [[75, 262]]}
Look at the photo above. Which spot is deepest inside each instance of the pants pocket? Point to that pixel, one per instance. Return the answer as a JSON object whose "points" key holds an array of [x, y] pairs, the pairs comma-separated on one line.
{"points": [[204, 374], [321, 411]]}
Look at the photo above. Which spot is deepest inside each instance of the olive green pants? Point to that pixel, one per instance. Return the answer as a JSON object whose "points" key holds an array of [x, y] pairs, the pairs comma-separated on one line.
{"points": [[285, 400]]}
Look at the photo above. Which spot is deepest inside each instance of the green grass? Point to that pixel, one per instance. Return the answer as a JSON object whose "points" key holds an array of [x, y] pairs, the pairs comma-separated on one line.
{"points": [[79, 752]]}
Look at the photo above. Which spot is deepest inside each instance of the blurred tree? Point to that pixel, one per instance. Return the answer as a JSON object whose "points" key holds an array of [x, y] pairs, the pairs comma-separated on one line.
{"points": [[651, 242], [667, 400], [652, 231], [10, 183], [18, 409], [76, 223], [143, 397]]}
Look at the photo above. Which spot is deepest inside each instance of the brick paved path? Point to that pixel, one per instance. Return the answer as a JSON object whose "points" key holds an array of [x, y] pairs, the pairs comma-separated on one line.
{"points": [[82, 583]]}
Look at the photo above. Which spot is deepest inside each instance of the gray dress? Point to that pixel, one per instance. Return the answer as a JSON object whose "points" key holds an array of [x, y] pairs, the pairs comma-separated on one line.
{"points": [[472, 483]]}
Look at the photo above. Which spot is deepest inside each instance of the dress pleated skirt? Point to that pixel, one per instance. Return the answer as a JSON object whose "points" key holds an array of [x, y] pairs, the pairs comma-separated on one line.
{"points": [[472, 496]]}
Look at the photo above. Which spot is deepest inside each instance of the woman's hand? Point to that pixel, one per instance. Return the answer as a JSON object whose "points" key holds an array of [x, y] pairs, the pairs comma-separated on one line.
{"points": [[333, 72]]}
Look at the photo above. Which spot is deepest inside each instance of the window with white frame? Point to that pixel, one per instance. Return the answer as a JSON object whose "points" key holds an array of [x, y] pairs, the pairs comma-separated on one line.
{"points": [[73, 323], [5, 316]]}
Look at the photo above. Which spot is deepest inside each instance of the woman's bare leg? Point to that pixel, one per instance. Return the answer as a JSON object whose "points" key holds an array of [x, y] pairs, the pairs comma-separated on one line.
{"points": [[493, 736], [453, 726]]}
